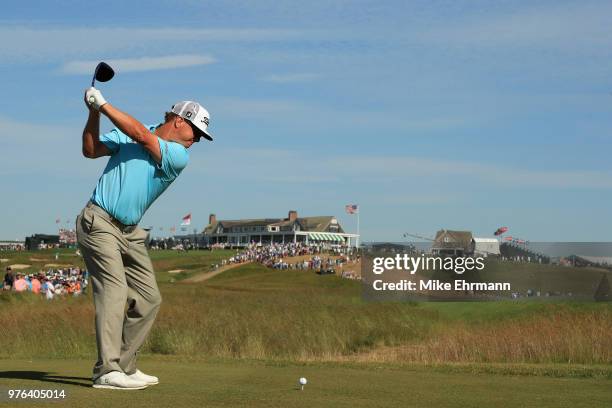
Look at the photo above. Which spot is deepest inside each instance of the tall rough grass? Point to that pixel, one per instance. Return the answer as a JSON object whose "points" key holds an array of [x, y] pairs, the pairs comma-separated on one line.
{"points": [[242, 325], [269, 325], [563, 336], [276, 316]]}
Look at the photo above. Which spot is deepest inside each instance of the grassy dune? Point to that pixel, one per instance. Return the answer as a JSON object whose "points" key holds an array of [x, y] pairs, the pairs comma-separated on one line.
{"points": [[252, 312]]}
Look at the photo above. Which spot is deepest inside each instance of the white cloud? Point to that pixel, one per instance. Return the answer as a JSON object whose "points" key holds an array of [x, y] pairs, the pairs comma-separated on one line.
{"points": [[22, 134], [331, 117], [51, 44], [249, 108], [139, 64], [262, 165], [29, 148], [473, 172], [578, 27], [289, 78]]}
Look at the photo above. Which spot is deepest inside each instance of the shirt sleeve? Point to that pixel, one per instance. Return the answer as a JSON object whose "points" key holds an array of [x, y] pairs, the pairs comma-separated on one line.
{"points": [[174, 158], [111, 140]]}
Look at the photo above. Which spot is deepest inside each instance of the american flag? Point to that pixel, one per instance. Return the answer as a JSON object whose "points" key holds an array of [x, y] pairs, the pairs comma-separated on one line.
{"points": [[351, 208], [186, 220]]}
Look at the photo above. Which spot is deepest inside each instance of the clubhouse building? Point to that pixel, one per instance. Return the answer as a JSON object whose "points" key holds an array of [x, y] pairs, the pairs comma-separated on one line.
{"points": [[322, 229]]}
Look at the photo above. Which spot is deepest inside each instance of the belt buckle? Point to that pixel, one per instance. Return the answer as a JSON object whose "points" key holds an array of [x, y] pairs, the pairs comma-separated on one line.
{"points": [[124, 228]]}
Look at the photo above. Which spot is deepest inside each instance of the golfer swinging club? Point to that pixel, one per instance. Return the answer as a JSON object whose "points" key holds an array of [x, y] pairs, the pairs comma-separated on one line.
{"points": [[143, 162]]}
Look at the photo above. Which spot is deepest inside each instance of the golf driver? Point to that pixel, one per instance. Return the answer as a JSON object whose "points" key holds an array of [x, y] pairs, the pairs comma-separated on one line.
{"points": [[103, 73]]}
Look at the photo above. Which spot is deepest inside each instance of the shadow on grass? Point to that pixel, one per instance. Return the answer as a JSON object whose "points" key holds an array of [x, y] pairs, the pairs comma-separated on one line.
{"points": [[46, 377]]}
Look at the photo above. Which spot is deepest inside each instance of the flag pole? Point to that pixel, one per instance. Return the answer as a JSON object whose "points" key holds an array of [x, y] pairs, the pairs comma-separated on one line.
{"points": [[358, 211]]}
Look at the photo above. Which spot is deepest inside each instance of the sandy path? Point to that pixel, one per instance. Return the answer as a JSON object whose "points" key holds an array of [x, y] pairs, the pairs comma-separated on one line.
{"points": [[355, 268], [201, 277]]}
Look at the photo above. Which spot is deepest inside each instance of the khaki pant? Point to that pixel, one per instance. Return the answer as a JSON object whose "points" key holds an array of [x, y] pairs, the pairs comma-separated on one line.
{"points": [[121, 272]]}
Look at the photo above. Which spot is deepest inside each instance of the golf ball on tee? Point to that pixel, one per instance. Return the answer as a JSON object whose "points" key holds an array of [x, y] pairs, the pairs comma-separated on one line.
{"points": [[303, 381]]}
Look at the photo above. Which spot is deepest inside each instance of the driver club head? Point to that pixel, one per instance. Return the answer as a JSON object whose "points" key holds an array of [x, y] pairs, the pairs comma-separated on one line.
{"points": [[103, 73]]}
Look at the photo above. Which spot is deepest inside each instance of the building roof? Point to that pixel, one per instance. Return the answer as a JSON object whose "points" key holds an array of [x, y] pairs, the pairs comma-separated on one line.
{"points": [[486, 240], [309, 224], [486, 246], [452, 239], [316, 224]]}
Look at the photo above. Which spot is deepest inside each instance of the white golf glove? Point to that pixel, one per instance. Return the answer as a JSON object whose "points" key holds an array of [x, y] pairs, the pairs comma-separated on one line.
{"points": [[94, 98]]}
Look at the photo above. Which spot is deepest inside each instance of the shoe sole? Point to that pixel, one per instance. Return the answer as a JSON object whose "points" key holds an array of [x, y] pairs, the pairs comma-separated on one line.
{"points": [[113, 387]]}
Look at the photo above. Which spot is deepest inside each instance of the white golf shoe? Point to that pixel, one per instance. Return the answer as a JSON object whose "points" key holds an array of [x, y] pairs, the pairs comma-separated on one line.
{"points": [[147, 379], [116, 380]]}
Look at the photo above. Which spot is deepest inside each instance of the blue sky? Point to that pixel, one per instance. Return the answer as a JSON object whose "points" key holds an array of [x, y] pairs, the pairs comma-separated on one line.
{"points": [[459, 115]]}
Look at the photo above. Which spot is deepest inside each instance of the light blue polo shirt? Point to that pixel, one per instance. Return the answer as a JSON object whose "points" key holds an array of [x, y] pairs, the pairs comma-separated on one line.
{"points": [[132, 179]]}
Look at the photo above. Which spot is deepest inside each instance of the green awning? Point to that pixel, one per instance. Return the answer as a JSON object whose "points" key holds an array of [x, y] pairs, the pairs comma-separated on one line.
{"points": [[325, 236]]}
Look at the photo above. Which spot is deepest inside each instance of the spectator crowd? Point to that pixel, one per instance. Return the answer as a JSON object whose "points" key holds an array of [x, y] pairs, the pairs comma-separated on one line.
{"points": [[318, 256], [50, 283], [73, 281]]}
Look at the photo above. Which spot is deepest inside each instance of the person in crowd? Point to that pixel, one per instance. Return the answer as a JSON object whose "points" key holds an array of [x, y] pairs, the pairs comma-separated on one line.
{"points": [[35, 284], [20, 284], [9, 279], [48, 289]]}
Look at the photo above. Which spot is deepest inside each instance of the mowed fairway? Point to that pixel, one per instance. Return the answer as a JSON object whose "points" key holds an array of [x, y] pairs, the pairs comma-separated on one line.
{"points": [[245, 336], [257, 384]]}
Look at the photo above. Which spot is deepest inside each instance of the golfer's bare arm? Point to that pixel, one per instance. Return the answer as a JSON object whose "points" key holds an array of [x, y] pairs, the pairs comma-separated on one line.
{"points": [[92, 146], [134, 129]]}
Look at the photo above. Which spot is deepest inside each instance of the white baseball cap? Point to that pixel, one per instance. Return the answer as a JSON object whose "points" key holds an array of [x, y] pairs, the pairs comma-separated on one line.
{"points": [[194, 113]]}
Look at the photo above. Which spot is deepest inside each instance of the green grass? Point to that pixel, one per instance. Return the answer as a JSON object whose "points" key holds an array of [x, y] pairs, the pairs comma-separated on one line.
{"points": [[191, 262], [243, 338], [252, 312], [230, 383]]}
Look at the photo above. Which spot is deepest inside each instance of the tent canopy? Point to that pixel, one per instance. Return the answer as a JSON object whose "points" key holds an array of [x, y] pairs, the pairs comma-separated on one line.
{"points": [[325, 236]]}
